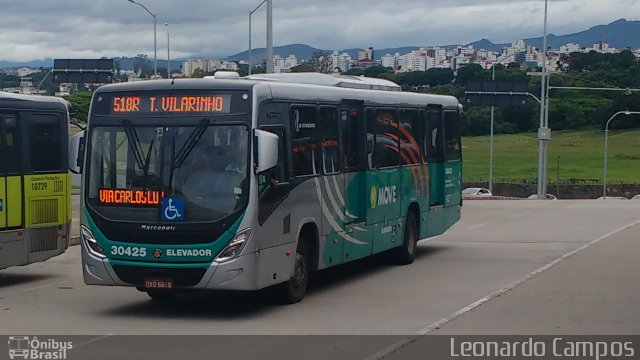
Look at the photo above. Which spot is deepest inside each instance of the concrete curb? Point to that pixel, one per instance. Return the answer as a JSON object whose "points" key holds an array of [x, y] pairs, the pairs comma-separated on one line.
{"points": [[74, 240]]}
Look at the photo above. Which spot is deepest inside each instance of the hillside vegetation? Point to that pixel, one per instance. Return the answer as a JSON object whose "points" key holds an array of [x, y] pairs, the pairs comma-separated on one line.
{"points": [[515, 157]]}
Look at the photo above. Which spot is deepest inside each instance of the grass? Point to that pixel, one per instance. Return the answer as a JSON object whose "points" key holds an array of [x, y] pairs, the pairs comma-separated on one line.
{"points": [[581, 153]]}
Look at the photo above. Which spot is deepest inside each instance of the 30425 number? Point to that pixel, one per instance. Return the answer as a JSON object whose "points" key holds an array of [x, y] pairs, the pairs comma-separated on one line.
{"points": [[128, 251]]}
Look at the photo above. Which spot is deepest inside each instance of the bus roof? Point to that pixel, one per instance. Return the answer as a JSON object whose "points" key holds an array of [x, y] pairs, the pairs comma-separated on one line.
{"points": [[299, 90], [18, 101], [336, 80]]}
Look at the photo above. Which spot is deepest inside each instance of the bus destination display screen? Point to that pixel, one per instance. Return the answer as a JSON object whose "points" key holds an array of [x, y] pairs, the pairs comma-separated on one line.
{"points": [[169, 104], [130, 197]]}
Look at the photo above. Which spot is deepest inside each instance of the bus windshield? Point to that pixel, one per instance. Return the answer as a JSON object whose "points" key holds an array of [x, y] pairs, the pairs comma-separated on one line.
{"points": [[133, 168]]}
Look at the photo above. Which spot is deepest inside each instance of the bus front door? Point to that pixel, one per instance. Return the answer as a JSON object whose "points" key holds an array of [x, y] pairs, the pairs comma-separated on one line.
{"points": [[453, 157], [435, 157], [436, 165], [355, 181]]}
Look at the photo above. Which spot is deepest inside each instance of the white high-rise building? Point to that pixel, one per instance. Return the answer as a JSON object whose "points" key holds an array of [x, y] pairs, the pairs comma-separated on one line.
{"points": [[284, 65], [341, 61], [569, 48], [391, 61], [207, 65]]}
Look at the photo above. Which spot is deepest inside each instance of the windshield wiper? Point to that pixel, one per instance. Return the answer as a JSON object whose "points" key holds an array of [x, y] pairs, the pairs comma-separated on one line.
{"points": [[191, 142], [185, 150], [172, 166], [134, 143], [138, 153]]}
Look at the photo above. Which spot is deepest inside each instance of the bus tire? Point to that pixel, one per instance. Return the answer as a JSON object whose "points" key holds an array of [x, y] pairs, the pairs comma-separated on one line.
{"points": [[406, 253], [294, 289], [161, 295]]}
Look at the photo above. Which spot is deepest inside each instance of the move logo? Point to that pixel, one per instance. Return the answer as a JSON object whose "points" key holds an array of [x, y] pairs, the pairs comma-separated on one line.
{"points": [[382, 196]]}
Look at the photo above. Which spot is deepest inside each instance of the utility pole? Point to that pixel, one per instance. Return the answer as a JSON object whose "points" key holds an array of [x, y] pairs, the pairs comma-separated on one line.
{"points": [[544, 133], [269, 36]]}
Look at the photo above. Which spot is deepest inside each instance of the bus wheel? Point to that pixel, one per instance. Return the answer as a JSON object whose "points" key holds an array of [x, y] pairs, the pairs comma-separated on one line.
{"points": [[161, 295], [407, 252], [294, 289]]}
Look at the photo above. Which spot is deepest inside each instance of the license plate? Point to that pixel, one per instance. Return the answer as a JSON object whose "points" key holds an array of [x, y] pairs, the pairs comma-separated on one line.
{"points": [[158, 283]]}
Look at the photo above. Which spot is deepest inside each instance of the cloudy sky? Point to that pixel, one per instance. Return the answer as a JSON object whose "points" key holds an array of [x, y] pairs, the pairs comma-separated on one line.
{"points": [[38, 29]]}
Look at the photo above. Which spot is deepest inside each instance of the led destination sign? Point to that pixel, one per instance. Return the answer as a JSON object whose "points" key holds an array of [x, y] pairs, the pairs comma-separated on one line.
{"points": [[169, 104], [130, 197]]}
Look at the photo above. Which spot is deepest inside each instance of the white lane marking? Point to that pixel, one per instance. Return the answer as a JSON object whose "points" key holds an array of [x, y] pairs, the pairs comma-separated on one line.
{"points": [[476, 226], [91, 341], [406, 341], [503, 290], [389, 349]]}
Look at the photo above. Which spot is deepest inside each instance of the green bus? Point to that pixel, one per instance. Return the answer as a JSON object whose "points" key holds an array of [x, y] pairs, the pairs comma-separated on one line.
{"points": [[242, 184], [35, 183]]}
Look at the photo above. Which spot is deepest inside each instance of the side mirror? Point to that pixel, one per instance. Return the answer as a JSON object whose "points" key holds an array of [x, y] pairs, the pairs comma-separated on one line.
{"points": [[265, 150], [76, 152]]}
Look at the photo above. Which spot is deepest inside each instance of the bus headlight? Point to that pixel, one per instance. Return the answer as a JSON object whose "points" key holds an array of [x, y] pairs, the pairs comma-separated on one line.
{"points": [[235, 246], [92, 244]]}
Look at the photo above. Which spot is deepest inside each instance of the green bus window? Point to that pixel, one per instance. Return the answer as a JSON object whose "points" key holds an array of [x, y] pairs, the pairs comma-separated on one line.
{"points": [[409, 135], [452, 135], [434, 137], [329, 140], [386, 151], [304, 140]]}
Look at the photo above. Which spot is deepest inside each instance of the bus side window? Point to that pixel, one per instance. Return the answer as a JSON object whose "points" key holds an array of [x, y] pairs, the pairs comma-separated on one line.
{"points": [[371, 137], [45, 142], [434, 137], [329, 140], [304, 141], [386, 151], [409, 135], [10, 159], [452, 135], [353, 139]]}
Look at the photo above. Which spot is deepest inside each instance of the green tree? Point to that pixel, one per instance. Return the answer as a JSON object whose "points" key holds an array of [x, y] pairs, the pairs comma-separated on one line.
{"points": [[79, 110], [198, 73], [354, 72], [469, 72], [142, 64], [377, 71], [321, 61], [304, 67]]}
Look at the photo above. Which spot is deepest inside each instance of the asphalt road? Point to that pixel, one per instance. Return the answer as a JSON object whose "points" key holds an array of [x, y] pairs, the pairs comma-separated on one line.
{"points": [[530, 267]]}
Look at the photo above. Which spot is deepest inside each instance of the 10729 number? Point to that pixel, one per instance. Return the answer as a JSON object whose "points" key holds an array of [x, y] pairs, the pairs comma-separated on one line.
{"points": [[128, 251]]}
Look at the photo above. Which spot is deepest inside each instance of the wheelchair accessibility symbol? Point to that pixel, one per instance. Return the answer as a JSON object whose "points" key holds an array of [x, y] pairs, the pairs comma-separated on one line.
{"points": [[172, 209]]}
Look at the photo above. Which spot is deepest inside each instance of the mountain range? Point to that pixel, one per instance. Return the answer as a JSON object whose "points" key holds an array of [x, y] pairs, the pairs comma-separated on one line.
{"points": [[620, 34]]}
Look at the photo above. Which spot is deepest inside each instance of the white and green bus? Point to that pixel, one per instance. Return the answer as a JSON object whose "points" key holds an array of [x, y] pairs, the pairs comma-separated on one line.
{"points": [[35, 183], [243, 184]]}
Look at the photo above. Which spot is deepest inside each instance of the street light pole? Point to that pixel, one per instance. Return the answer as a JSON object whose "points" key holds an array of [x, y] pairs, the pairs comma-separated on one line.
{"points": [[168, 57], [269, 36], [493, 78], [250, 41], [544, 135], [606, 139], [155, 47]]}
